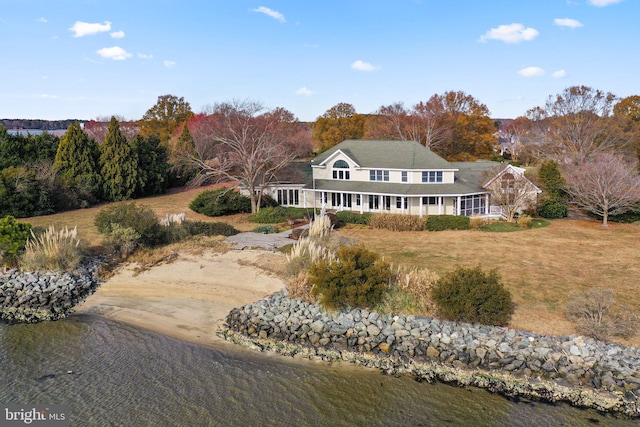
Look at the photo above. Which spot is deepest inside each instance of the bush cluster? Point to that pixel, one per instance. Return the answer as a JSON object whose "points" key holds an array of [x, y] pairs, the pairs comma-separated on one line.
{"points": [[276, 214], [471, 295], [357, 278], [220, 202], [447, 222], [127, 225], [354, 218], [397, 222], [265, 229], [13, 238]]}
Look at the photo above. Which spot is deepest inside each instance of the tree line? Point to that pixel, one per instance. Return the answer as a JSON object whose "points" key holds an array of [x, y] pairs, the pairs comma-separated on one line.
{"points": [[580, 133]]}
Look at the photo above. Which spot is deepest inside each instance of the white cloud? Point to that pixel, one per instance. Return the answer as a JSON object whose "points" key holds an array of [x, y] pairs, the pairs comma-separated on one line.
{"points": [[117, 34], [567, 22], [270, 12], [559, 74], [363, 66], [512, 33], [116, 53], [169, 64], [144, 56], [43, 20], [46, 96], [304, 91], [81, 29], [531, 72], [603, 3]]}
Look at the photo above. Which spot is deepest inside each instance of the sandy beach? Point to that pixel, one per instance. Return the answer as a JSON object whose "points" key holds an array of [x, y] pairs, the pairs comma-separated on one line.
{"points": [[187, 299]]}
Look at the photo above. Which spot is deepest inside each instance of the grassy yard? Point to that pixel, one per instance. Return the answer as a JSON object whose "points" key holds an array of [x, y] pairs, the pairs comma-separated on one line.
{"points": [[539, 266]]}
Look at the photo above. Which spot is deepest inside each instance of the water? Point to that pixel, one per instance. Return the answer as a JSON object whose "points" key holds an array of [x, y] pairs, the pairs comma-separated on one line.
{"points": [[123, 376]]}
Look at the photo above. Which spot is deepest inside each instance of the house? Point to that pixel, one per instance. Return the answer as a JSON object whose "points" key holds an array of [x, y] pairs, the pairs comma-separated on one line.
{"points": [[399, 177]]}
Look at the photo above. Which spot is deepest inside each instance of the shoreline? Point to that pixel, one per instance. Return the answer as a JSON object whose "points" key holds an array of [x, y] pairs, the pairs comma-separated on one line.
{"points": [[187, 299]]}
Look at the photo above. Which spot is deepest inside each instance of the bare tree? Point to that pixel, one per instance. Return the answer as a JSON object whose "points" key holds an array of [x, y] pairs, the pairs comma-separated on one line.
{"points": [[606, 184], [576, 124], [510, 190], [97, 128], [238, 143]]}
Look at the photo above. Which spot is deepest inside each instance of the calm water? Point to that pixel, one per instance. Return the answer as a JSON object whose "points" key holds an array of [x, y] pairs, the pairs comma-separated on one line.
{"points": [[123, 376]]}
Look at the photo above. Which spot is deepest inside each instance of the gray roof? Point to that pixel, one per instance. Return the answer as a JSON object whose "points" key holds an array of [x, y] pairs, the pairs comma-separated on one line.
{"points": [[387, 155], [474, 172], [459, 187]]}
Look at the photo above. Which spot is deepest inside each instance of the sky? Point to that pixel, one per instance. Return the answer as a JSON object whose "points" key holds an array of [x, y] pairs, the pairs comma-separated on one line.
{"points": [[86, 59]]}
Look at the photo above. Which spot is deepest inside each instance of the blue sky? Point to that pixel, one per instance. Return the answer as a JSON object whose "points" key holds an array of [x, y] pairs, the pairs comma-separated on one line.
{"points": [[88, 58]]}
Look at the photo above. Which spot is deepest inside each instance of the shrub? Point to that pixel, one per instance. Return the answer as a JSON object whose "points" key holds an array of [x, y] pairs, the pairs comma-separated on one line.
{"points": [[397, 222], [265, 229], [596, 315], [196, 228], [447, 222], [471, 295], [276, 214], [129, 215], [358, 278], [554, 207], [13, 238], [354, 218], [524, 221], [305, 252], [477, 222], [123, 239], [220, 202], [53, 250]]}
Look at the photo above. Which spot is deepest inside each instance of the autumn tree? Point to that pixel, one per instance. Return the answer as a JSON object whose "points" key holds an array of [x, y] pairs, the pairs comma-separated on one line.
{"points": [[576, 124], [627, 114], [118, 165], [516, 135], [510, 190], [337, 124], [164, 117], [76, 164], [153, 165], [248, 146], [605, 184]]}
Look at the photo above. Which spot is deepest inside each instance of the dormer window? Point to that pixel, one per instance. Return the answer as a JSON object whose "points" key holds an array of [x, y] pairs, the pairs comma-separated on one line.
{"points": [[341, 170], [432, 176]]}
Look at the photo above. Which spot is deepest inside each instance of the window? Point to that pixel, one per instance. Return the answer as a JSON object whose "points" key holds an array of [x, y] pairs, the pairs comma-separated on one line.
{"points": [[470, 205], [401, 202], [432, 176], [341, 170], [373, 202], [358, 201], [289, 197], [386, 200], [405, 177], [378, 175], [430, 200], [508, 182]]}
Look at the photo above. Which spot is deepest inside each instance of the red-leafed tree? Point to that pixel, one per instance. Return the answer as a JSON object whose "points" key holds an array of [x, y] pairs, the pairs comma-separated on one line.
{"points": [[240, 141]]}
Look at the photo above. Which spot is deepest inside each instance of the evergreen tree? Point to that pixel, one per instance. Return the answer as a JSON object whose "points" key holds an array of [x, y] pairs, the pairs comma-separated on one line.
{"points": [[76, 163], [553, 201], [153, 166], [118, 165], [185, 144]]}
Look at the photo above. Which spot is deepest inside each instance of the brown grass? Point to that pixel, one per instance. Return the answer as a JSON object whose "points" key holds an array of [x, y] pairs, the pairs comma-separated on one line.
{"points": [[540, 266]]}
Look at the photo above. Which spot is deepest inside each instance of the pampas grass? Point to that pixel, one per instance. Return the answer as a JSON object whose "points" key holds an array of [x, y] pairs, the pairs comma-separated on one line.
{"points": [[53, 250]]}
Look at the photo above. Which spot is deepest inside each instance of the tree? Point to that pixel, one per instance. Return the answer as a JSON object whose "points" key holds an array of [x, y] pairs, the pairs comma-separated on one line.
{"points": [[516, 134], [118, 165], [576, 124], [153, 165], [510, 190], [337, 124], [606, 184], [21, 195], [627, 113], [76, 164], [164, 117], [13, 238], [553, 203], [247, 147]]}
